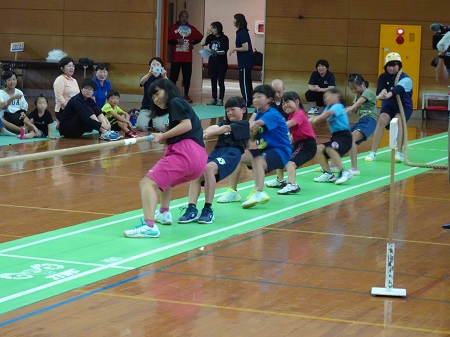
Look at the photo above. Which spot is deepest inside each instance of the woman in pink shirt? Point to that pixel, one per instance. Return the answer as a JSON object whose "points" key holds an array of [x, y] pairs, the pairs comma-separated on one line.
{"points": [[65, 86]]}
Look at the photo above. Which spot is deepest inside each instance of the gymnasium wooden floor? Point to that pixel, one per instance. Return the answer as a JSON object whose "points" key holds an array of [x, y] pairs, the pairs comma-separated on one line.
{"points": [[310, 275]]}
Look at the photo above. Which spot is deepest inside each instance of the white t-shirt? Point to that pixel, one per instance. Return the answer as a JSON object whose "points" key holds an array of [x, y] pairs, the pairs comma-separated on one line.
{"points": [[15, 105]]}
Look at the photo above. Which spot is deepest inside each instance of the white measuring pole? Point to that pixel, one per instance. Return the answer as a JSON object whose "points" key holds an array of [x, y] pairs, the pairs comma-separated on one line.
{"points": [[389, 289]]}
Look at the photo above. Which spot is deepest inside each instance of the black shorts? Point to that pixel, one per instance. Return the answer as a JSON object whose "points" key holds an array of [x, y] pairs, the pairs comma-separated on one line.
{"points": [[14, 118], [303, 151], [341, 142]]}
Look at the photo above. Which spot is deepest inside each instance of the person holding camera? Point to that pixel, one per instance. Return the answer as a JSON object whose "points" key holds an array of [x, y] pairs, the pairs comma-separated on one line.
{"points": [[144, 122], [442, 73]]}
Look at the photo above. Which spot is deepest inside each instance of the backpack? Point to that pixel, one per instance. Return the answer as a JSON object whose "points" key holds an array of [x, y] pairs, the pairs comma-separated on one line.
{"points": [[258, 58]]}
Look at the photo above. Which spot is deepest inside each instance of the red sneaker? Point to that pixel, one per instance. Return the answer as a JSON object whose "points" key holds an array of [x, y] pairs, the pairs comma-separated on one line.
{"points": [[187, 98], [22, 133]]}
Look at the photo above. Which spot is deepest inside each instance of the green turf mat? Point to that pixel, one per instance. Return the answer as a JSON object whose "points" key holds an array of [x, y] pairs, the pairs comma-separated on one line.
{"points": [[38, 267], [202, 111]]}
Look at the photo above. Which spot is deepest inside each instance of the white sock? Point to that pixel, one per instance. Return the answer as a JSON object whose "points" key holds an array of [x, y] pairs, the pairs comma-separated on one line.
{"points": [[4, 132]]}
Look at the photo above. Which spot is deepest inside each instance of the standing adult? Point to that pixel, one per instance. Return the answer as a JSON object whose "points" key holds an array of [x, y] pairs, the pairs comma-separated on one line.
{"points": [[245, 58], [103, 85], [218, 44], [442, 74], [182, 38], [320, 81], [387, 91], [65, 86]]}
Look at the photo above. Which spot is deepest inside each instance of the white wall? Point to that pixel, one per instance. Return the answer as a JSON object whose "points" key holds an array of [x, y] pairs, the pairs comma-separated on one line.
{"points": [[223, 11]]}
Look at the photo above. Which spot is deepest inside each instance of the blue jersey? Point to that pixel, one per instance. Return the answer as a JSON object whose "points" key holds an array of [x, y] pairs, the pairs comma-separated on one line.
{"points": [[338, 121], [404, 88], [274, 134]]}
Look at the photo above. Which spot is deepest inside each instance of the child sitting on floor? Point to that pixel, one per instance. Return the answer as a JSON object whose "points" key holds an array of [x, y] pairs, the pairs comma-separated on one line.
{"points": [[39, 121], [119, 119]]}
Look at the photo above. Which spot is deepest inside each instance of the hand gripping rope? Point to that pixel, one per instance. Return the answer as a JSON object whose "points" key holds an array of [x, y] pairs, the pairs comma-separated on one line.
{"points": [[73, 150], [405, 134]]}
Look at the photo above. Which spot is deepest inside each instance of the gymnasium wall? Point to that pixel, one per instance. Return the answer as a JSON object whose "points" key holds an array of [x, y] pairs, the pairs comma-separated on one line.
{"points": [[119, 32], [347, 34], [122, 33]]}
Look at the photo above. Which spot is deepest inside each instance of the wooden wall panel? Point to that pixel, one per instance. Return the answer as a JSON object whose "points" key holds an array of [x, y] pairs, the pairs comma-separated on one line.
{"points": [[110, 24], [24, 21], [110, 50], [27, 4], [119, 6], [323, 32], [347, 34], [411, 10], [125, 77], [121, 33], [307, 8], [295, 59]]}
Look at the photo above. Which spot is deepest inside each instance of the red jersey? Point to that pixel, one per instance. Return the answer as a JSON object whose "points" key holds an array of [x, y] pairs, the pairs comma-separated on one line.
{"points": [[183, 52], [303, 130]]}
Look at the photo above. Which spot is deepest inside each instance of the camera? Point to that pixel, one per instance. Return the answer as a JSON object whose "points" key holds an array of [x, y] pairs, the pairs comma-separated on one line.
{"points": [[440, 30], [158, 70]]}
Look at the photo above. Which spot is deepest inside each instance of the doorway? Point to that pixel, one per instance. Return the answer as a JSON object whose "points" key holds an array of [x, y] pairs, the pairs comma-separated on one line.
{"points": [[201, 14]]}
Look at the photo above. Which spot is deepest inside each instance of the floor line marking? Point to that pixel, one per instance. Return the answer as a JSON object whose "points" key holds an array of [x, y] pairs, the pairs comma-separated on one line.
{"points": [[168, 247], [180, 204], [277, 313], [160, 249], [61, 261]]}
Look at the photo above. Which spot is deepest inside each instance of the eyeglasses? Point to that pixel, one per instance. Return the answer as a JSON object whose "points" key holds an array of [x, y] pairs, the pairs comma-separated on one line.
{"points": [[88, 89]]}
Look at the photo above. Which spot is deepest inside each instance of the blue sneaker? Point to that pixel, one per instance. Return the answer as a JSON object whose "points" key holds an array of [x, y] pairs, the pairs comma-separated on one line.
{"points": [[207, 216], [190, 215], [110, 135], [142, 231]]}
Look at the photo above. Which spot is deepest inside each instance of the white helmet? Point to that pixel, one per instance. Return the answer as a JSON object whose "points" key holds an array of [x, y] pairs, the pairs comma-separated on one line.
{"points": [[392, 57]]}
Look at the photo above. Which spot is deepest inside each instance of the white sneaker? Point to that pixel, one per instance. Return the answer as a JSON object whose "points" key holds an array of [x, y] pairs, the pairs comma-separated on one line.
{"points": [[257, 197], [355, 172], [276, 183], [371, 157], [325, 178], [164, 218], [313, 111], [399, 157], [229, 196], [346, 175], [289, 189], [142, 231]]}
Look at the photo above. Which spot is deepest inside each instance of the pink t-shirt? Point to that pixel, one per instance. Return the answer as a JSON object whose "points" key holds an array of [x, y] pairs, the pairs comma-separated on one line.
{"points": [[303, 130], [65, 88]]}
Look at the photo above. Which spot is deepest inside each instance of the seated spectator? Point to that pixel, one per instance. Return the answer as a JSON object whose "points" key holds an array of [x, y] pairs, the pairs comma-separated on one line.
{"points": [[103, 85], [39, 121], [13, 106], [320, 81], [82, 115], [119, 119], [144, 122]]}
